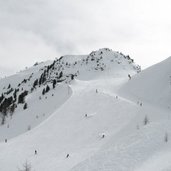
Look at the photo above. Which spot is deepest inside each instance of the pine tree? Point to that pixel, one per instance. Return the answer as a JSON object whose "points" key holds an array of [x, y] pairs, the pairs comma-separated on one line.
{"points": [[21, 97], [43, 92], [12, 108], [3, 120], [1, 97], [35, 83], [9, 86], [40, 80], [60, 75], [54, 83], [25, 106], [72, 76], [47, 88]]}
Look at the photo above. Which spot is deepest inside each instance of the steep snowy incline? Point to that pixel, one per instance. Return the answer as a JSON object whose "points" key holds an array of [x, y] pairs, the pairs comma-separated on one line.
{"points": [[25, 96], [22, 120], [143, 144], [84, 112], [89, 113], [152, 85], [68, 130]]}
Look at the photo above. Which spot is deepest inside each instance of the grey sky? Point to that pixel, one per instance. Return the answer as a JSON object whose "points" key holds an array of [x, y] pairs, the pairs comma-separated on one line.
{"points": [[37, 30]]}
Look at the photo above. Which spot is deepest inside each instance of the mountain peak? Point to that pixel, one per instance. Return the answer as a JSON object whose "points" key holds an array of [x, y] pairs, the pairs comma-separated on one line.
{"points": [[36, 83]]}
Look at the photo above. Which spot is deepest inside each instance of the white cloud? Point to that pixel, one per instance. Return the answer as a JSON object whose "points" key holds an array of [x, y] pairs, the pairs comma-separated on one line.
{"points": [[39, 29]]}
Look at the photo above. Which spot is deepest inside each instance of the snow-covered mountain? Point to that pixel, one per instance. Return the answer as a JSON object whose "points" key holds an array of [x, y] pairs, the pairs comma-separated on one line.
{"points": [[48, 84], [86, 113]]}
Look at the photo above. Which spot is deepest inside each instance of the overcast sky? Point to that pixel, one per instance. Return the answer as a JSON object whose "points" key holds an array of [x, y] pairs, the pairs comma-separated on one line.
{"points": [[38, 30]]}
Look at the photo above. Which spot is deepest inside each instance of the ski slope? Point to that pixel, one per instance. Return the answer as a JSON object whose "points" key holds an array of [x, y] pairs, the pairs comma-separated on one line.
{"points": [[67, 130], [139, 147], [97, 119]]}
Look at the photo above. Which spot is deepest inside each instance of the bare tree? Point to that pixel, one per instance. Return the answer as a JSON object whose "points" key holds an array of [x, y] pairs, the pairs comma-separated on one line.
{"points": [[26, 167]]}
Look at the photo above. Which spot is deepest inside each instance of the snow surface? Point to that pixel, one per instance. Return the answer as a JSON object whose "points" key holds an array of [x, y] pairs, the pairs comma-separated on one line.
{"points": [[112, 137]]}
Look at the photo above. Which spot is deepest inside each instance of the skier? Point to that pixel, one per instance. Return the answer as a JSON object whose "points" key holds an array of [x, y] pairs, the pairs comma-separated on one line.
{"points": [[5, 140], [67, 156], [35, 152], [103, 135], [86, 115], [129, 76]]}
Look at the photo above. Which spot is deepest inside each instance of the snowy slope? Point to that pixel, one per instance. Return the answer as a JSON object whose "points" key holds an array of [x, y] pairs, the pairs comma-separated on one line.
{"points": [[103, 119], [22, 120], [68, 131], [57, 119], [152, 85], [85, 67], [140, 146]]}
